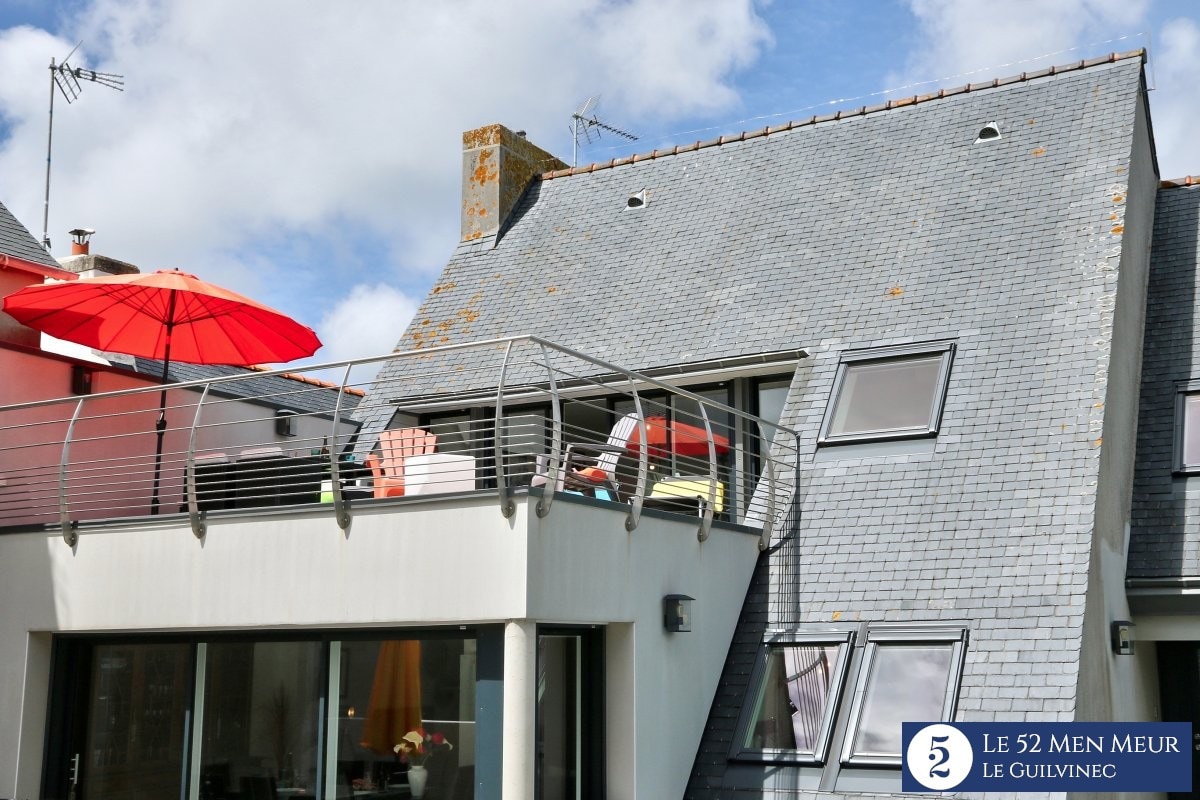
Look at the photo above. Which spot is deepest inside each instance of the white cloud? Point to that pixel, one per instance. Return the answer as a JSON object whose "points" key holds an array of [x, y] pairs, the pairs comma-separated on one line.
{"points": [[956, 37], [367, 322], [1176, 116], [249, 121], [969, 40]]}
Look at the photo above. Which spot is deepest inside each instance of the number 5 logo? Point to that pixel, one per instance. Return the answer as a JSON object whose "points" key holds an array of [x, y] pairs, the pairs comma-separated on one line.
{"points": [[939, 757]]}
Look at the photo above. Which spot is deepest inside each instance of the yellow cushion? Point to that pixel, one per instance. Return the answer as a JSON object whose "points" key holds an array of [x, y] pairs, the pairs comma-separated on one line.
{"points": [[689, 487]]}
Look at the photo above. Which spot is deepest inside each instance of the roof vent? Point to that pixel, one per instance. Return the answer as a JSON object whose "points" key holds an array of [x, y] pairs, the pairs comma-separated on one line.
{"points": [[636, 200], [988, 133]]}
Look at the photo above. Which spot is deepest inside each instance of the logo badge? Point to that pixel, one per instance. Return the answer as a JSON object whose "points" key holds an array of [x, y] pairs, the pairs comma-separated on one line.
{"points": [[939, 757]]}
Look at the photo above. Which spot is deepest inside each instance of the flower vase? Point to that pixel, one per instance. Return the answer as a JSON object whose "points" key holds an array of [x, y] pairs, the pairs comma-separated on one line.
{"points": [[417, 776]]}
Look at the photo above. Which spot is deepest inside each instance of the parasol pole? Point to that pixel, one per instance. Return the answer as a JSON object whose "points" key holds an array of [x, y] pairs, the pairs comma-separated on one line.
{"points": [[160, 426]]}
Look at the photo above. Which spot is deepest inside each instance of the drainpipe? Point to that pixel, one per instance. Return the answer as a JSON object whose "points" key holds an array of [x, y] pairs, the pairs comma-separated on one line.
{"points": [[520, 704]]}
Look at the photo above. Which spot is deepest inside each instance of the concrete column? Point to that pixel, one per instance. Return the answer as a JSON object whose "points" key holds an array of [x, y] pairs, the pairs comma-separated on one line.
{"points": [[520, 704]]}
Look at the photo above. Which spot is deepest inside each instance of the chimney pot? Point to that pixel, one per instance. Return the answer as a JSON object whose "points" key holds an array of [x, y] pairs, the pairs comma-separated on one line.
{"points": [[79, 241]]}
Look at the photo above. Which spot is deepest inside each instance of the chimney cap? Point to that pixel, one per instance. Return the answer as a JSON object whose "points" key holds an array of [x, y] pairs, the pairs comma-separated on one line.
{"points": [[81, 234]]}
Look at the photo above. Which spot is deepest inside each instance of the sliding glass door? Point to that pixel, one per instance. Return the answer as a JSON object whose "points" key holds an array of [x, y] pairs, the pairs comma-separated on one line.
{"points": [[125, 731], [243, 718], [261, 719], [569, 717]]}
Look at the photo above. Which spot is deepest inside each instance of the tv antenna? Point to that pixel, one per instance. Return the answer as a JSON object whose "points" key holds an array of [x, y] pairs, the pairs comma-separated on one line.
{"points": [[584, 127], [67, 79]]}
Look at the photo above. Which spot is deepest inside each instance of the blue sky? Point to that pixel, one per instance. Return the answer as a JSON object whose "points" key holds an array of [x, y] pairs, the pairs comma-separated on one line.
{"points": [[308, 154]]}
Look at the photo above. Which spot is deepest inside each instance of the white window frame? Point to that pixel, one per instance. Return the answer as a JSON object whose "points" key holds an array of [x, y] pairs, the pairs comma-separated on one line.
{"points": [[882, 636], [844, 640], [1183, 391], [899, 353]]}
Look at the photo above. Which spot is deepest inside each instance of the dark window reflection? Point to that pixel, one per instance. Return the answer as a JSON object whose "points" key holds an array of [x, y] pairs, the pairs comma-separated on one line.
{"points": [[136, 717], [260, 719]]}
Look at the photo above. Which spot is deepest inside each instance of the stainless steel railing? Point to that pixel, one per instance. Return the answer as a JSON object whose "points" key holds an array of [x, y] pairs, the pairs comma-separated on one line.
{"points": [[504, 416]]}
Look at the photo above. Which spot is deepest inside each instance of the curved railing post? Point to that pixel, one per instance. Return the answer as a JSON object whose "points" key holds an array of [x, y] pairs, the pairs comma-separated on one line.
{"points": [[340, 509], [195, 515], [764, 539], [507, 506], [68, 529], [552, 468], [707, 517], [639, 494]]}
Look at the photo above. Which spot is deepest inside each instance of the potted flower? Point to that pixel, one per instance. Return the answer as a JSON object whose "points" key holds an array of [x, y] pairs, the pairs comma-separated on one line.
{"points": [[416, 748]]}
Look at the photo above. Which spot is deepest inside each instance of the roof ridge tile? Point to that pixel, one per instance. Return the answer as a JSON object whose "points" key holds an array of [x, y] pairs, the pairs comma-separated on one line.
{"points": [[888, 105], [1178, 183]]}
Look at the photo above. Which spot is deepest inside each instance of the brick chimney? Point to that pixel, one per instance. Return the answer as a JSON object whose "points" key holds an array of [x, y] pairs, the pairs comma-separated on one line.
{"points": [[498, 165], [87, 265]]}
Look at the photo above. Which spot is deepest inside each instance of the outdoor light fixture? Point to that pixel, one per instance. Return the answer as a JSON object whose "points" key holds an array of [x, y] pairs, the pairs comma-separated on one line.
{"points": [[1121, 631], [677, 613], [81, 379], [285, 422]]}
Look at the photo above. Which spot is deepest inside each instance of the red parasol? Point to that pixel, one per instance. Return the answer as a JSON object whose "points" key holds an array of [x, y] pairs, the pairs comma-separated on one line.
{"points": [[682, 439], [164, 315]]}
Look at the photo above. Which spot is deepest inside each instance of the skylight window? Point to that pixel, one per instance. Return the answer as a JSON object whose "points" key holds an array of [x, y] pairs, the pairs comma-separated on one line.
{"points": [[1187, 427], [885, 673], [888, 393], [906, 675], [799, 679]]}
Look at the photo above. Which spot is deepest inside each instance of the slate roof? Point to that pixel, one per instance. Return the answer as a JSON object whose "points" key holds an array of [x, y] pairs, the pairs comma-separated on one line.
{"points": [[1165, 532], [885, 227], [15, 240], [775, 242], [297, 393]]}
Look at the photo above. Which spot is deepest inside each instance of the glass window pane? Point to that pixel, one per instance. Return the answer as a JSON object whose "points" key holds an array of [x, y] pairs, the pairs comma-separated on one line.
{"points": [[688, 442], [790, 710], [771, 398], [260, 718], [391, 687], [453, 433], [886, 395], [523, 437], [137, 707], [907, 684], [1191, 430]]}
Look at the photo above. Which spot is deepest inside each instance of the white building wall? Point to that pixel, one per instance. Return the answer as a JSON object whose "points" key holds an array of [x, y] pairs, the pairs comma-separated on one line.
{"points": [[444, 561]]}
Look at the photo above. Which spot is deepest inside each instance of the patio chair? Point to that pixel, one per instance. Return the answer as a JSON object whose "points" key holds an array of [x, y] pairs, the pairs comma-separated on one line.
{"points": [[395, 446], [602, 473]]}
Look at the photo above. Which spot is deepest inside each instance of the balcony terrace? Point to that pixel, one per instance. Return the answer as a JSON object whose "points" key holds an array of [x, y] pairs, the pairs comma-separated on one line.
{"points": [[270, 518]]}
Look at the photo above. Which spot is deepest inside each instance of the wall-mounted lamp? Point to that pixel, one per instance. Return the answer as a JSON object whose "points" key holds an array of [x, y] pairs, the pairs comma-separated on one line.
{"points": [[81, 379], [677, 613], [285, 422], [1121, 631]]}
